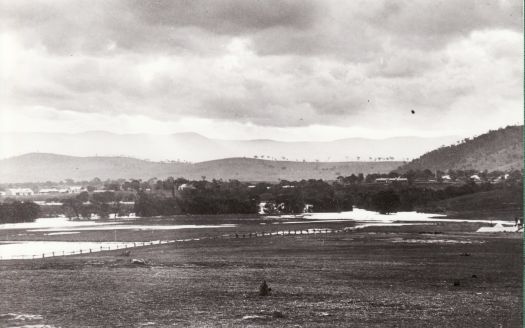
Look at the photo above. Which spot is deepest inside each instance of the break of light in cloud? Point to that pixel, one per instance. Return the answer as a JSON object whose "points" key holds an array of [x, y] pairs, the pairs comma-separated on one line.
{"points": [[238, 69]]}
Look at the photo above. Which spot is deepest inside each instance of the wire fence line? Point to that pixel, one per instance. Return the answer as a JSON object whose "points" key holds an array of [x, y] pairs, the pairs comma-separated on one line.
{"points": [[129, 245]]}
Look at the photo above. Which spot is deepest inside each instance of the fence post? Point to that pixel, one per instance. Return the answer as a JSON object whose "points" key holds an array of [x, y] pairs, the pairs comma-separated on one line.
{"points": [[53, 254], [43, 255]]}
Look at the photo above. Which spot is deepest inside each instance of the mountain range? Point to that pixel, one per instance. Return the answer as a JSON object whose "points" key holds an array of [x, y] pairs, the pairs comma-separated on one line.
{"points": [[495, 150], [193, 147]]}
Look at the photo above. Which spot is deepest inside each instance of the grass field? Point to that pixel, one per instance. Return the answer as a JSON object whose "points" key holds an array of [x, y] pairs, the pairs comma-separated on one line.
{"points": [[377, 277]]}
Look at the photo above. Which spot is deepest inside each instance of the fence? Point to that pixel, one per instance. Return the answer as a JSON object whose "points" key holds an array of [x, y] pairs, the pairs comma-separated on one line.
{"points": [[128, 245]]}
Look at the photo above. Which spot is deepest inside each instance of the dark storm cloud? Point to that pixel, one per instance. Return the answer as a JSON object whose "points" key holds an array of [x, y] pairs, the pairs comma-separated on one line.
{"points": [[272, 63], [227, 16], [89, 26]]}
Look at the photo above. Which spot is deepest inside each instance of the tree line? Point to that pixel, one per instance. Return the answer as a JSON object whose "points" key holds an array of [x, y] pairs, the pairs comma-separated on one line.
{"points": [[171, 196], [17, 212], [229, 197]]}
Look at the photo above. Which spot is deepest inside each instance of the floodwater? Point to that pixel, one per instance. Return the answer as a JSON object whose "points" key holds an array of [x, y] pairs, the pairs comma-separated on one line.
{"points": [[361, 215], [64, 225], [56, 226], [35, 249], [61, 226]]}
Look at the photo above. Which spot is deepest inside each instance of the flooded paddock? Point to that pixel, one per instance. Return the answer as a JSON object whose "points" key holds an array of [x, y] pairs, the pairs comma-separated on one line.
{"points": [[356, 219]]}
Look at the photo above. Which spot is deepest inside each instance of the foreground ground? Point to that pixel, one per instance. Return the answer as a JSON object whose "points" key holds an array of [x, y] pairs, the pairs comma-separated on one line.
{"points": [[380, 277]]}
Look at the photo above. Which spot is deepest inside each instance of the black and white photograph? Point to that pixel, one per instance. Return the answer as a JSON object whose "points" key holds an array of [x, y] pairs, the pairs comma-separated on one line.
{"points": [[261, 163]]}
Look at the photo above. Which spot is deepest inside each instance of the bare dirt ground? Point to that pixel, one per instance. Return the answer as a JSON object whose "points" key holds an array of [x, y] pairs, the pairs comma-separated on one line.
{"points": [[412, 276]]}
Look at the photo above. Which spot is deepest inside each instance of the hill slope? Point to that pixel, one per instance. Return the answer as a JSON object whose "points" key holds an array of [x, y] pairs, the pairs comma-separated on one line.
{"points": [[496, 150], [38, 167]]}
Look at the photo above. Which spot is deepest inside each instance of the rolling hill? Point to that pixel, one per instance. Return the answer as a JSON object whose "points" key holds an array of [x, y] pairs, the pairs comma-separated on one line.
{"points": [[496, 150], [39, 167]]}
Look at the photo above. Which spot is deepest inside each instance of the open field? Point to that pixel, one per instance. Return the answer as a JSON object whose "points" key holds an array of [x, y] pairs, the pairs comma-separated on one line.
{"points": [[375, 277]]}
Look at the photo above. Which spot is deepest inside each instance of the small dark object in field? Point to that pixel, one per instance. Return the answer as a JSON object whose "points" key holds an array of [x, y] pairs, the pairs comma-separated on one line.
{"points": [[456, 283], [474, 276], [437, 232], [465, 254], [277, 314], [264, 290], [413, 111], [125, 253], [138, 261]]}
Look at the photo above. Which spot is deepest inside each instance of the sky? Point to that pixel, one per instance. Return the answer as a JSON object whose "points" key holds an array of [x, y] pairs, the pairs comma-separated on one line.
{"points": [[247, 69]]}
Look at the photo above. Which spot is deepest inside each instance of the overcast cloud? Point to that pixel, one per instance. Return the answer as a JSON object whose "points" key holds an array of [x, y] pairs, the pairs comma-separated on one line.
{"points": [[251, 69]]}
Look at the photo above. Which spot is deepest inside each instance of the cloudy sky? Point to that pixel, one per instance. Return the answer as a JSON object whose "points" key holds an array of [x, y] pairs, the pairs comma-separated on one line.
{"points": [[289, 70]]}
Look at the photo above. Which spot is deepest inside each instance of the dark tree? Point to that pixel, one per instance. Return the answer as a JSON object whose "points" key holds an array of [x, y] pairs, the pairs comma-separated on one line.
{"points": [[386, 201]]}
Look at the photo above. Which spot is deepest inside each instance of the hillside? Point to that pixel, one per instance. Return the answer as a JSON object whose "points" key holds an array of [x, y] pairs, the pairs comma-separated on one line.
{"points": [[501, 203], [36, 167], [496, 150], [52, 167]]}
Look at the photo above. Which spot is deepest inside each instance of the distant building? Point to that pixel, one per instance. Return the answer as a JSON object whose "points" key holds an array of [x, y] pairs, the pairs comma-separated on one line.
{"points": [[475, 177], [446, 178], [75, 189], [19, 192], [390, 180], [185, 186], [308, 208], [48, 191], [270, 208]]}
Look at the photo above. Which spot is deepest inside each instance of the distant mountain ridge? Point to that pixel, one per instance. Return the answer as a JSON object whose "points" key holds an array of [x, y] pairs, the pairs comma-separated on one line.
{"points": [[41, 167], [500, 149], [194, 147]]}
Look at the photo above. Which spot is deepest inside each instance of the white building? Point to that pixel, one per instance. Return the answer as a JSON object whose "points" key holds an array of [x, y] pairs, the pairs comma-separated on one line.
{"points": [[185, 186], [19, 192], [390, 180], [446, 177], [75, 189], [48, 191], [475, 177]]}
